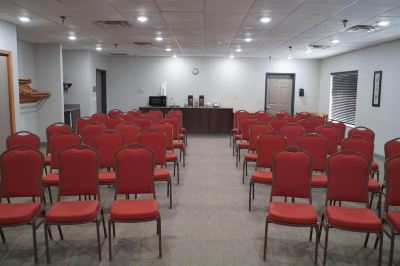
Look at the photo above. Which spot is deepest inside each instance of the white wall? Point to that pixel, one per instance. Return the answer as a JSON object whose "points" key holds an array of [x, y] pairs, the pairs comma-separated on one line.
{"points": [[383, 120], [219, 79]]}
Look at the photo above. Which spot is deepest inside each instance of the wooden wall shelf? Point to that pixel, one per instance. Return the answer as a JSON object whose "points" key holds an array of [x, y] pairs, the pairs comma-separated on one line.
{"points": [[28, 94]]}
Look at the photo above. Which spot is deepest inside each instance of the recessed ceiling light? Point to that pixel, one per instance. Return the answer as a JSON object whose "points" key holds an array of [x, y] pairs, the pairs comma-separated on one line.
{"points": [[24, 19], [248, 39], [142, 19], [168, 49], [265, 19], [238, 50], [174, 56], [289, 57], [159, 38], [72, 37], [231, 56], [98, 48], [335, 41], [383, 23]]}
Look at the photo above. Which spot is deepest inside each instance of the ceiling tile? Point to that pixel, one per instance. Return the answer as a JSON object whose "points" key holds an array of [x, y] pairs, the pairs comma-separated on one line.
{"points": [[141, 6], [184, 20], [228, 5], [181, 5]]}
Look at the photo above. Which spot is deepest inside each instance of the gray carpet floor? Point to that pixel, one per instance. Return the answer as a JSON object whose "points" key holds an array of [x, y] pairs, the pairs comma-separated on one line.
{"points": [[209, 224]]}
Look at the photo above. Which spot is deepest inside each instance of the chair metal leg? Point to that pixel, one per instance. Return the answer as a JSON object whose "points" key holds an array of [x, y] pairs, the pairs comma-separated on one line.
{"points": [[254, 190], [174, 167], [265, 240], [311, 233], [316, 244], [98, 238], [113, 227], [170, 194], [109, 241], [250, 196], [159, 237], [326, 243], [34, 240], [50, 197], [244, 161], [366, 240], [50, 233], [237, 156], [184, 155], [3, 237], [167, 188], [104, 223], [177, 170], [46, 238], [380, 248], [60, 232], [391, 247]]}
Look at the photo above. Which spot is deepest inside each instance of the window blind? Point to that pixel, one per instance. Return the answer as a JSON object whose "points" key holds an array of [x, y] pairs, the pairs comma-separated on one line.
{"points": [[343, 96]]}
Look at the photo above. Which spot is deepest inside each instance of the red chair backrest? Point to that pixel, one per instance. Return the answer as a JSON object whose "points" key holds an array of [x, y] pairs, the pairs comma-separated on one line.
{"points": [[79, 172], [392, 179], [293, 119], [340, 126], [361, 145], [362, 131], [260, 114], [245, 128], [319, 121], [83, 122], [278, 124], [152, 117], [90, 131], [348, 173], [267, 145], [255, 131], [168, 130], [292, 132], [99, 117], [134, 168], [282, 115], [126, 116], [53, 129], [291, 171], [135, 114], [332, 135], [308, 125], [239, 120], [60, 142], [112, 122], [21, 172], [107, 143], [176, 123], [114, 113], [392, 148], [143, 123], [157, 113], [23, 138], [129, 131], [266, 119], [236, 115], [157, 142], [317, 146], [303, 115]]}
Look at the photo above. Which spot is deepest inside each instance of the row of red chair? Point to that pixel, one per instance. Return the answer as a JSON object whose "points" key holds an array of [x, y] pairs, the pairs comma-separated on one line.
{"points": [[79, 176]]}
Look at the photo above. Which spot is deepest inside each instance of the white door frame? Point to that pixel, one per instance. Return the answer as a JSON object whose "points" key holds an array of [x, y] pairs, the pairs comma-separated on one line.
{"points": [[293, 75]]}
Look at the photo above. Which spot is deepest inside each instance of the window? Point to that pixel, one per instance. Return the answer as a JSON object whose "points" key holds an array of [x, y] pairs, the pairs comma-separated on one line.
{"points": [[343, 100]]}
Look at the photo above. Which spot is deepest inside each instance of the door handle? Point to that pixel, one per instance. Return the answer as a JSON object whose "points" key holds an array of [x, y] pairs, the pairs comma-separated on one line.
{"points": [[268, 107]]}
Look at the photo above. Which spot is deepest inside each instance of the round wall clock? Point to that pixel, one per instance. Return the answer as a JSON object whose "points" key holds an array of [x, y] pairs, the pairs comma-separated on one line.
{"points": [[195, 71]]}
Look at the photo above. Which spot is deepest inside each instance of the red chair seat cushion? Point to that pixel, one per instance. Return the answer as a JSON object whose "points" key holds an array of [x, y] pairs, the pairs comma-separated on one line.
{"points": [[47, 160], [73, 211], [107, 177], [18, 213], [319, 181], [394, 219], [375, 165], [250, 157], [238, 136], [184, 130], [162, 174], [181, 136], [353, 218], [234, 130], [178, 145], [170, 157], [292, 213], [373, 185], [264, 177], [51, 179], [141, 209], [243, 145]]}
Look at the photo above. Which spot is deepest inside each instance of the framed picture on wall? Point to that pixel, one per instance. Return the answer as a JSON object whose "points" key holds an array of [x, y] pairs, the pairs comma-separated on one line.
{"points": [[376, 93]]}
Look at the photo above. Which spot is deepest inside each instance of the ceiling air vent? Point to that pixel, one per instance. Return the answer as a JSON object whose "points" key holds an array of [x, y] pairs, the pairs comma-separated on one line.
{"points": [[143, 44], [356, 28], [118, 54], [318, 46], [113, 24]]}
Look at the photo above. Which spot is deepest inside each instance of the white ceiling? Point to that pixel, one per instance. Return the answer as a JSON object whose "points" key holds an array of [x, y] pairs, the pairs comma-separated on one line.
{"points": [[207, 27]]}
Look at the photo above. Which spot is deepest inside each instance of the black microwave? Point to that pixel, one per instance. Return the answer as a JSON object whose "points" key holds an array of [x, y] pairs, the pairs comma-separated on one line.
{"points": [[158, 101]]}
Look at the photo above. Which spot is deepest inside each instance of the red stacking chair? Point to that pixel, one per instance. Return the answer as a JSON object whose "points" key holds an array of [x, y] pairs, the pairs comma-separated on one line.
{"points": [[340, 126], [168, 130], [392, 148], [114, 113], [392, 217], [282, 115], [291, 178], [308, 124], [266, 119], [234, 130], [254, 132], [260, 114], [178, 144], [365, 147], [157, 142], [238, 134], [319, 121], [78, 176], [107, 143], [278, 124], [90, 131], [157, 113], [50, 131], [143, 123], [293, 119], [267, 145], [17, 182], [126, 116], [134, 166], [177, 114], [23, 138], [130, 131], [244, 141], [332, 135], [348, 173], [317, 146], [112, 122], [58, 143], [99, 117], [135, 114], [152, 117], [292, 132], [81, 123], [303, 115]]}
